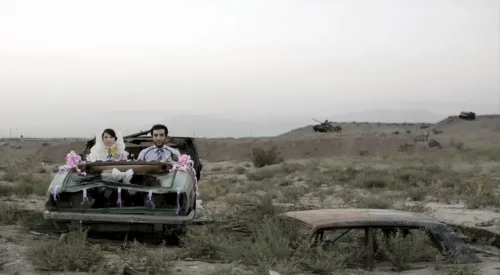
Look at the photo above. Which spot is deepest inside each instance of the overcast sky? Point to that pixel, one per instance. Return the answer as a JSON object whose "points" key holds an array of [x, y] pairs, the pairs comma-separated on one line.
{"points": [[91, 63]]}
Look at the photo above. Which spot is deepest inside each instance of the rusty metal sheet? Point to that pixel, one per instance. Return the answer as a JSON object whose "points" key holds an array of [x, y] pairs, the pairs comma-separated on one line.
{"points": [[356, 217], [330, 219]]}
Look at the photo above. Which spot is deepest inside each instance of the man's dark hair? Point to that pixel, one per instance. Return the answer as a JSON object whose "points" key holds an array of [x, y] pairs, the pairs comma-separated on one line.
{"points": [[159, 127]]}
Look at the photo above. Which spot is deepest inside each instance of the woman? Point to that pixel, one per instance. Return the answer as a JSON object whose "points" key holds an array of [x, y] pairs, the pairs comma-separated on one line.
{"points": [[109, 147]]}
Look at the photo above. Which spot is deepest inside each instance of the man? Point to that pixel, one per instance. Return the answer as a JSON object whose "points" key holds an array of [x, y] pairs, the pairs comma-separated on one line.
{"points": [[159, 151]]}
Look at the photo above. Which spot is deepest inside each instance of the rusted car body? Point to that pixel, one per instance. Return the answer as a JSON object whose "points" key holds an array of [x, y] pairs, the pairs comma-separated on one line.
{"points": [[155, 199], [317, 222]]}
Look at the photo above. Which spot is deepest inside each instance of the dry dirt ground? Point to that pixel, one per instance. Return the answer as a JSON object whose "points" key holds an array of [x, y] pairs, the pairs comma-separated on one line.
{"points": [[363, 167]]}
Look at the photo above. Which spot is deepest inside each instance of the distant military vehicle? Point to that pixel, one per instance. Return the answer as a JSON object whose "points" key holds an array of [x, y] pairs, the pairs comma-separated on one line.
{"points": [[325, 127], [467, 115]]}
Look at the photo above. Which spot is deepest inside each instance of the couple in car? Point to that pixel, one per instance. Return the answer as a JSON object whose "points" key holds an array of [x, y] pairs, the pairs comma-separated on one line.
{"points": [[112, 147]]}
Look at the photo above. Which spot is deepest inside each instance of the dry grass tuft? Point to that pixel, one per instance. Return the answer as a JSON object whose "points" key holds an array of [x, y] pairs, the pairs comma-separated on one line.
{"points": [[25, 184], [463, 270], [72, 253], [9, 213], [152, 261], [481, 192], [403, 248]]}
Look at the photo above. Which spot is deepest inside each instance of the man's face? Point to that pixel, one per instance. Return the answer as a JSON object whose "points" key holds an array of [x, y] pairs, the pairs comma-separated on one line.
{"points": [[159, 137]]}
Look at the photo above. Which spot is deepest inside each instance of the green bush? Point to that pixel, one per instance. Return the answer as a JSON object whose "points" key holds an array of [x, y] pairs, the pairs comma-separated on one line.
{"points": [[261, 157]]}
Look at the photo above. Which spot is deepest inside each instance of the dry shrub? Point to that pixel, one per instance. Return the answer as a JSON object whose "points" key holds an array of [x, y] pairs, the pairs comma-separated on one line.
{"points": [[416, 193], [34, 220], [217, 187], [323, 261], [373, 202], [72, 253], [293, 194], [152, 261], [364, 152], [419, 207], [402, 249], [463, 269], [9, 176], [9, 213], [204, 242], [372, 178], [275, 171], [418, 181], [493, 154], [240, 170], [481, 191], [24, 184], [336, 253], [268, 247], [261, 157], [459, 145]]}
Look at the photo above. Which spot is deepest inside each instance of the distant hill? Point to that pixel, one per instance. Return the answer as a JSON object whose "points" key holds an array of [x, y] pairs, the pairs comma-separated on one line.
{"points": [[485, 129], [216, 127], [213, 127], [390, 116]]}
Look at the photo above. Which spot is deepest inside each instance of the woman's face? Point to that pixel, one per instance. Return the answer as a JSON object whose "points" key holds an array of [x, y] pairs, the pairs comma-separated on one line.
{"points": [[108, 140]]}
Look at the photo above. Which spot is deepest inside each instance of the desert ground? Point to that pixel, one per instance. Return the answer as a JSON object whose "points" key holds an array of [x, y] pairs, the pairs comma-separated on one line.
{"points": [[366, 165]]}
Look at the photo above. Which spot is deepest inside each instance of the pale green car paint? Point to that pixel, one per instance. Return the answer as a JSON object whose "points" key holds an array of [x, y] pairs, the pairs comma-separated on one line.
{"points": [[69, 181]]}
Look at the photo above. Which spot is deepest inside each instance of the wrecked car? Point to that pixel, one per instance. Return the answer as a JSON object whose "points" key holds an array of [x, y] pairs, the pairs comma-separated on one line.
{"points": [[127, 195], [329, 225]]}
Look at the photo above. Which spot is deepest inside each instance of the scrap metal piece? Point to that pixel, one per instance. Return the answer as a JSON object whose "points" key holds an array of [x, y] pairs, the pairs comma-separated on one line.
{"points": [[320, 220]]}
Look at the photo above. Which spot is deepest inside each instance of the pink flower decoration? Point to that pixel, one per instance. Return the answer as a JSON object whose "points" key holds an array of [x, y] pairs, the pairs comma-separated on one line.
{"points": [[185, 164], [72, 160]]}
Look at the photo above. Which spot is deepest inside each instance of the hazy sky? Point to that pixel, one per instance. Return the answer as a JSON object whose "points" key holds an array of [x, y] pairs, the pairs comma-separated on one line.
{"points": [[91, 63]]}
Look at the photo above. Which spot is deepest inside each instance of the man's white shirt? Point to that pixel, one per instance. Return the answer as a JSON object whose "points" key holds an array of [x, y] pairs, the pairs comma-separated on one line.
{"points": [[154, 153]]}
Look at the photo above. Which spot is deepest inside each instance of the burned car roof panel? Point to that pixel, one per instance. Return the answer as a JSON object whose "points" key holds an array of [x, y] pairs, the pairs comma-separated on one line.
{"points": [[444, 238], [355, 217]]}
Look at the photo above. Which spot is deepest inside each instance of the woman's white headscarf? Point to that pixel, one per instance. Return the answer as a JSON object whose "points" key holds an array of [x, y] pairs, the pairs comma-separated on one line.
{"points": [[100, 152]]}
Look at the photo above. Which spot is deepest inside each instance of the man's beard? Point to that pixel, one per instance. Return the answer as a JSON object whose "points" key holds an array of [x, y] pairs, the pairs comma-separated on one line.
{"points": [[161, 145]]}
